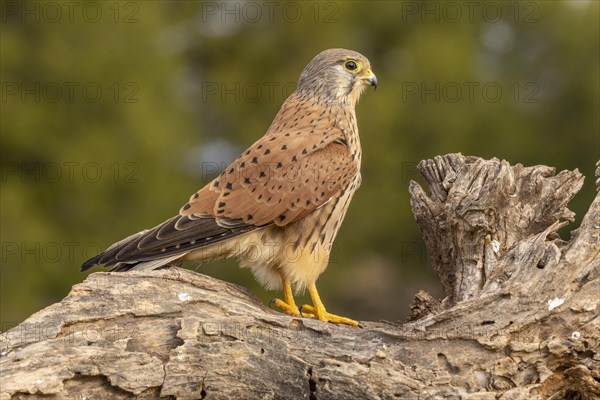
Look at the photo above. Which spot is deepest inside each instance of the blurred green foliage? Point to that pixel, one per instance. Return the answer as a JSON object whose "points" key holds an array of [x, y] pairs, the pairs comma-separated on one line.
{"points": [[113, 113]]}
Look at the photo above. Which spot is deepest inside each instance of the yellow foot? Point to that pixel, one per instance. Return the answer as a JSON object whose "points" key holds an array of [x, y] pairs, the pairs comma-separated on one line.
{"points": [[290, 309], [322, 315]]}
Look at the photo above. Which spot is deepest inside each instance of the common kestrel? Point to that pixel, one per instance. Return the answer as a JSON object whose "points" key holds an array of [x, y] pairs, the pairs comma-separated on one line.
{"points": [[279, 205]]}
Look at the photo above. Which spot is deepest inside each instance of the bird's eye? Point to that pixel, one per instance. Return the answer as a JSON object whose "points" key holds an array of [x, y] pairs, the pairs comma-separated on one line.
{"points": [[350, 65]]}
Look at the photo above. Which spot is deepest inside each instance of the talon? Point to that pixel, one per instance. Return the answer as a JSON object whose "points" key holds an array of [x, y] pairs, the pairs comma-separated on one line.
{"points": [[286, 308], [307, 311], [319, 312], [288, 305], [316, 311], [326, 316], [336, 319]]}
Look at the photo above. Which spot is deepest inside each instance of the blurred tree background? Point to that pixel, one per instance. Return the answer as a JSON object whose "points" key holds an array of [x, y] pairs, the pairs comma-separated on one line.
{"points": [[113, 113]]}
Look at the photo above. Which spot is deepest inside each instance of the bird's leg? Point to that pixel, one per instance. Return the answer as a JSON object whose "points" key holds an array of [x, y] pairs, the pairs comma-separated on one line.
{"points": [[288, 305], [318, 309]]}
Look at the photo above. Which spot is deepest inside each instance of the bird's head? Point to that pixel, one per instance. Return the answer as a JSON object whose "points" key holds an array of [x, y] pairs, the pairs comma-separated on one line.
{"points": [[337, 75]]}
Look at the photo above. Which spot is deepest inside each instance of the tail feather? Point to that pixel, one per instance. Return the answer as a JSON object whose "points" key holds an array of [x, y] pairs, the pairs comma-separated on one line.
{"points": [[146, 265], [165, 243]]}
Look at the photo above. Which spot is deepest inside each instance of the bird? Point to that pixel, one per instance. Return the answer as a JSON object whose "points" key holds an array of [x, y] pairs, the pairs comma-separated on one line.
{"points": [[278, 207]]}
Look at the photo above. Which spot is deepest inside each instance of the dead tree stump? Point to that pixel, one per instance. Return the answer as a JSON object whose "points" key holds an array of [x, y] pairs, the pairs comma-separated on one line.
{"points": [[520, 320]]}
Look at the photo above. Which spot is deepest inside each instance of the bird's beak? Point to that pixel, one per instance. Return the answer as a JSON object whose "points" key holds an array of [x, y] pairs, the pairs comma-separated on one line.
{"points": [[371, 78]]}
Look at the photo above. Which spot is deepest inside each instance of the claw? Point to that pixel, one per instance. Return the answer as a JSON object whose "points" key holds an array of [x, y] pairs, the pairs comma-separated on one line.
{"points": [[325, 316], [288, 305], [285, 307], [319, 312], [316, 311], [307, 311]]}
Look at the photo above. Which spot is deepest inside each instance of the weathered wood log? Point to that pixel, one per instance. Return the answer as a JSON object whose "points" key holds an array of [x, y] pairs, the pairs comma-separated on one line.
{"points": [[521, 320], [483, 216]]}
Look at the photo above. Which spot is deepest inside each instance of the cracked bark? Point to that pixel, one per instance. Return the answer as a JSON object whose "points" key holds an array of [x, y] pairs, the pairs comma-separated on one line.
{"points": [[520, 320]]}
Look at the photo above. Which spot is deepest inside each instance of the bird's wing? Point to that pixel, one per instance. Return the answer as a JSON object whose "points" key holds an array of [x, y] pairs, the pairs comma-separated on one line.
{"points": [[278, 180], [176, 236]]}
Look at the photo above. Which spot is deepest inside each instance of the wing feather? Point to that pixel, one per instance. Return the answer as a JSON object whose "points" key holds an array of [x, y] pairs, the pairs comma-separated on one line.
{"points": [[174, 237], [298, 166]]}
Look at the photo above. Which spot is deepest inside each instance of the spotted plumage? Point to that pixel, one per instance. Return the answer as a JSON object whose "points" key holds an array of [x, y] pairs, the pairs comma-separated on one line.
{"points": [[279, 205]]}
